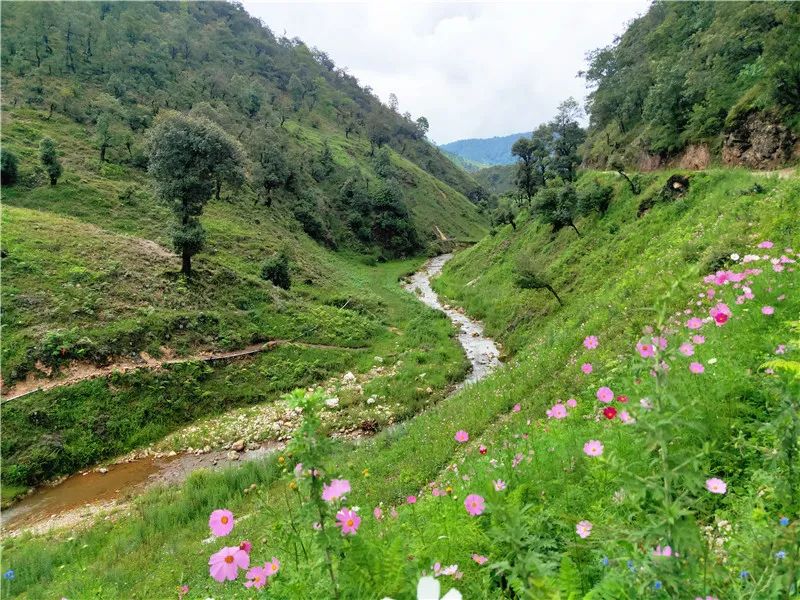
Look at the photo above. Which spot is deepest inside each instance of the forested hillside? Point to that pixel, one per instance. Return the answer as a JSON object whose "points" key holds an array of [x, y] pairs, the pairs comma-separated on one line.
{"points": [[352, 171], [485, 151], [696, 81]]}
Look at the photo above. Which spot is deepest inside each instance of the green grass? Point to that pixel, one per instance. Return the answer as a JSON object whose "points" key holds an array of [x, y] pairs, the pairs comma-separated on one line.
{"points": [[611, 280]]}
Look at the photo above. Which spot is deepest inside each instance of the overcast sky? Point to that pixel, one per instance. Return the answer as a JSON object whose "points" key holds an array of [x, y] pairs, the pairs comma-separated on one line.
{"points": [[473, 69]]}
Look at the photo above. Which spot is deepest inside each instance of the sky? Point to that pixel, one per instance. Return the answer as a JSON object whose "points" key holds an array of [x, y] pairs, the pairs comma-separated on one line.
{"points": [[472, 69]]}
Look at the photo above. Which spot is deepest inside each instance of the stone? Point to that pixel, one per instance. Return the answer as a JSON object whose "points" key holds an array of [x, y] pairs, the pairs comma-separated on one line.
{"points": [[233, 455], [102, 470], [238, 446]]}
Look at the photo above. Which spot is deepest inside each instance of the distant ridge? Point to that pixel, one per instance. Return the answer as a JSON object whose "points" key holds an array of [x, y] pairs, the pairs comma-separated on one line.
{"points": [[485, 151]]}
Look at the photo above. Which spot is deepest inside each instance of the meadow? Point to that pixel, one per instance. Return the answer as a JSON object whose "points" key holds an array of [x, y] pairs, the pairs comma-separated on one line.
{"points": [[666, 469]]}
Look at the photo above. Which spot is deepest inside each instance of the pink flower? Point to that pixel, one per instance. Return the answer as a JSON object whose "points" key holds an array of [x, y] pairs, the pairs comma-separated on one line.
{"points": [[462, 436], [586, 368], [272, 566], [516, 460], [298, 470], [348, 520], [716, 486], [766, 244], [694, 323], [474, 504], [720, 313], [558, 411], [604, 394], [226, 563], [661, 342], [377, 513], [696, 368], [591, 342], [336, 489], [593, 448], [256, 577], [246, 546], [411, 499], [626, 418], [221, 522], [666, 551], [482, 449], [517, 407], [767, 310], [609, 412], [583, 529], [698, 339], [645, 350], [481, 560], [572, 403], [781, 349], [686, 349], [499, 485]]}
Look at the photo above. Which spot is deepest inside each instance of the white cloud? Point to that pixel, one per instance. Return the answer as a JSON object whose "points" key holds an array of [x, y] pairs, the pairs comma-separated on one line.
{"points": [[473, 69]]}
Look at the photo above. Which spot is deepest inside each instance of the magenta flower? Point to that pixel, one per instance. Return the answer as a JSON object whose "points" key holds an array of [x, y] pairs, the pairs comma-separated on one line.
{"points": [[221, 522], [411, 499], [462, 436], [626, 418], [474, 504], [767, 310], [226, 563], [645, 350], [246, 546], [499, 485], [591, 342], [517, 407], [781, 349], [583, 529], [666, 551], [586, 368], [377, 513], [593, 448], [604, 394], [716, 486], [336, 489], [766, 244], [696, 368], [348, 520], [481, 560], [694, 323], [256, 577], [686, 349], [698, 339], [572, 403]]}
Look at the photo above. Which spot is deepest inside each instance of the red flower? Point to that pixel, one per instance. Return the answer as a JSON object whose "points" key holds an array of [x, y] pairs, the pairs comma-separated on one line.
{"points": [[622, 399], [482, 449], [610, 412], [720, 317]]}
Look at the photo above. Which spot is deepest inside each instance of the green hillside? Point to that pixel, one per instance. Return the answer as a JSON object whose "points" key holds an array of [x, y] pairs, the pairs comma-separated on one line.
{"points": [[499, 179], [721, 75], [625, 272]]}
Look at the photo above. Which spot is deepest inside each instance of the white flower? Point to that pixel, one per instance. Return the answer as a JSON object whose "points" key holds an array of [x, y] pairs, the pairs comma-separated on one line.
{"points": [[734, 256], [332, 402], [428, 588]]}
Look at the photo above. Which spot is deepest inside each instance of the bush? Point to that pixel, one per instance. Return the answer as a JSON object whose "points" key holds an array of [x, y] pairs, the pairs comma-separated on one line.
{"points": [[594, 197], [276, 270], [8, 168]]}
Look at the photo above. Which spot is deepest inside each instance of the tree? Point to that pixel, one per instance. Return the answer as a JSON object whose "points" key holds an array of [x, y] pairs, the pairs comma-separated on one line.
{"points": [[619, 166], [557, 206], [566, 135], [505, 213], [533, 155], [276, 270], [271, 168], [528, 277], [394, 104], [422, 127], [104, 135], [8, 168], [594, 197], [377, 131], [48, 155], [187, 156]]}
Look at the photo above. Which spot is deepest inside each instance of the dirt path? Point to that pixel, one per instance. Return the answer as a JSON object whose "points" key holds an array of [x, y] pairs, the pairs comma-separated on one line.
{"points": [[82, 371]]}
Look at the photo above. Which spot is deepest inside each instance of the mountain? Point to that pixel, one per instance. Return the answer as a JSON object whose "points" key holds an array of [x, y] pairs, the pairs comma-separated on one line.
{"points": [[694, 82], [498, 179], [485, 151]]}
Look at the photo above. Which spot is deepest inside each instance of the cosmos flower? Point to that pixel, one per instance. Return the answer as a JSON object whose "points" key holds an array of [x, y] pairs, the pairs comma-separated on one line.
{"points": [[481, 560], [604, 394], [716, 486], [336, 489], [696, 368], [593, 448], [348, 520], [586, 368], [591, 342], [499, 485], [225, 564], [461, 436], [583, 529], [221, 522], [474, 504]]}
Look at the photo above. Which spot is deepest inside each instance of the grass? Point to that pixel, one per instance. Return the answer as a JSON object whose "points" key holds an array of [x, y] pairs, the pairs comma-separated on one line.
{"points": [[611, 279]]}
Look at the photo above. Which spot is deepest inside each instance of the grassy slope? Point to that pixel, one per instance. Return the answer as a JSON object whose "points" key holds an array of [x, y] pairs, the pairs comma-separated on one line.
{"points": [[610, 280]]}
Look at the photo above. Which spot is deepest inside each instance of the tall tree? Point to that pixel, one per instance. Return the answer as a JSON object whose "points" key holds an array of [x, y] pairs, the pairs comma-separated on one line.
{"points": [[187, 156], [567, 135], [48, 155]]}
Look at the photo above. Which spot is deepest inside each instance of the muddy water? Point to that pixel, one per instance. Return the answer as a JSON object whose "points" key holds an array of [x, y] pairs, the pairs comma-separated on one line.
{"points": [[481, 351], [85, 494]]}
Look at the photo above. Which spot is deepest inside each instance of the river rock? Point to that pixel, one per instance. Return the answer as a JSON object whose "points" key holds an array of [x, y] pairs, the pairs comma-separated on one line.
{"points": [[102, 470], [348, 378], [238, 446], [233, 455]]}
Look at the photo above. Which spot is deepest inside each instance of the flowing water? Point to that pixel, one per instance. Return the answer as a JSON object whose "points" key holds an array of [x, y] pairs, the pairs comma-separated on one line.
{"points": [[84, 494]]}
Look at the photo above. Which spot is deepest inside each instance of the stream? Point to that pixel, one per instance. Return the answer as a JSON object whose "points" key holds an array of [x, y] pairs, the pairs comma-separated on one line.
{"points": [[90, 492]]}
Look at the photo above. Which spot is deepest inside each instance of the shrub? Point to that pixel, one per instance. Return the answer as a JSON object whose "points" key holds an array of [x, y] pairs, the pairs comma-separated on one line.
{"points": [[276, 270], [8, 168]]}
